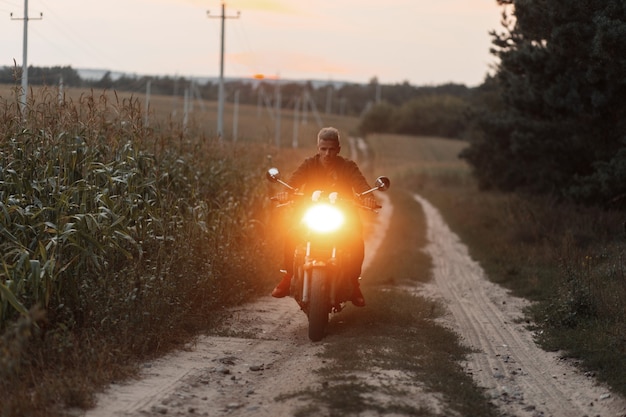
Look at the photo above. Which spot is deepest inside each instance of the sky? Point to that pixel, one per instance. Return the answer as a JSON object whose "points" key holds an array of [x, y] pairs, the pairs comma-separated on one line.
{"points": [[422, 42]]}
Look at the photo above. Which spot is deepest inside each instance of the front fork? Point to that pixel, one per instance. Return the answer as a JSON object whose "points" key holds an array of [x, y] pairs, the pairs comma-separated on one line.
{"points": [[309, 264]]}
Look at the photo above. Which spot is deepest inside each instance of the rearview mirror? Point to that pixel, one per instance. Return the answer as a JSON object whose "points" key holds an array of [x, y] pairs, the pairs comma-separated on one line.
{"points": [[382, 183], [273, 175]]}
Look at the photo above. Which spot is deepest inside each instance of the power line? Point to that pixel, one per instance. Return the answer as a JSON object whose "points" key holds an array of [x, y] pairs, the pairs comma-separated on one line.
{"points": [[253, 66], [80, 41], [220, 107]]}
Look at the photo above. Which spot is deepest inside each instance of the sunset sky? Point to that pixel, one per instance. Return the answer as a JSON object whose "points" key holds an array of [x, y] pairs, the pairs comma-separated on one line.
{"points": [[423, 42]]}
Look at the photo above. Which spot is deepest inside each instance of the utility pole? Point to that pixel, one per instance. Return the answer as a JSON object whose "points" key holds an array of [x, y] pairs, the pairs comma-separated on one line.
{"points": [[277, 109], [25, 53], [147, 105], [220, 105]]}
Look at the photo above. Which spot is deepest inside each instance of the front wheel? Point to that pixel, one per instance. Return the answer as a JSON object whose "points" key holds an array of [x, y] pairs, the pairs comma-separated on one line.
{"points": [[318, 304]]}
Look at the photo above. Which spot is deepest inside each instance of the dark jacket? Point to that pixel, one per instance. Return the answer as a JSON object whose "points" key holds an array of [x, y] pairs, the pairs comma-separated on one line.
{"points": [[345, 177]]}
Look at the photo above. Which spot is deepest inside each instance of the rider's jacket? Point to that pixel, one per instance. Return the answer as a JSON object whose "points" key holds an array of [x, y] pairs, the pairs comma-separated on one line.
{"points": [[344, 177]]}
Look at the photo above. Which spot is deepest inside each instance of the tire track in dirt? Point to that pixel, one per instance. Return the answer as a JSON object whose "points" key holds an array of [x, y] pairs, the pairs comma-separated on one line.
{"points": [[253, 372], [220, 374], [267, 359], [521, 378]]}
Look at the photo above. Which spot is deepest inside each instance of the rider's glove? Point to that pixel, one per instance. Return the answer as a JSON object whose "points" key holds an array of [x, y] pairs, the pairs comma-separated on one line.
{"points": [[370, 203], [282, 197]]}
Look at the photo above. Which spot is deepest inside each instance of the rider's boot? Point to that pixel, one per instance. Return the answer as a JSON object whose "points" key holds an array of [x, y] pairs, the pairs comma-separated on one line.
{"points": [[282, 289], [357, 295]]}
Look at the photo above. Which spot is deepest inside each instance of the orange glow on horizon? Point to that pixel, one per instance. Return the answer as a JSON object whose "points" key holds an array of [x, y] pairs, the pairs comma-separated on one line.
{"points": [[265, 77], [276, 6]]}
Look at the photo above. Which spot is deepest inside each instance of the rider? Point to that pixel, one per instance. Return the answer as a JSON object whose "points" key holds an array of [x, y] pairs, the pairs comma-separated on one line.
{"points": [[328, 170]]}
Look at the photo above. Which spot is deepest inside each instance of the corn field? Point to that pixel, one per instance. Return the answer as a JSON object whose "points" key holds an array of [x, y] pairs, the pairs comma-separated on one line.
{"points": [[110, 230]]}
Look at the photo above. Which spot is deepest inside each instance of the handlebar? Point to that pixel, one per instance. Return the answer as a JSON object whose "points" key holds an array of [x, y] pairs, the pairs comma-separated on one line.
{"points": [[382, 184], [342, 200]]}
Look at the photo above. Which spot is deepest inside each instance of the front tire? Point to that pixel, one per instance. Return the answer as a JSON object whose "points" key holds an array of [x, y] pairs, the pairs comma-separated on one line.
{"points": [[318, 304]]}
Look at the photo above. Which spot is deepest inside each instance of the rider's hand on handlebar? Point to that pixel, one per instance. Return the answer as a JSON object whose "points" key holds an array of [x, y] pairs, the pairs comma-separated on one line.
{"points": [[282, 197], [370, 203]]}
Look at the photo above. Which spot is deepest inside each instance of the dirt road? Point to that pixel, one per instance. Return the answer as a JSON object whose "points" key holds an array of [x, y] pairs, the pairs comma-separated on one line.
{"points": [[521, 378], [268, 355]]}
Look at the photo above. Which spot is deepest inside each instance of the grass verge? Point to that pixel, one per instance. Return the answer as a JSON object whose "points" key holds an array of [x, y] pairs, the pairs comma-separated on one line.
{"points": [[569, 260]]}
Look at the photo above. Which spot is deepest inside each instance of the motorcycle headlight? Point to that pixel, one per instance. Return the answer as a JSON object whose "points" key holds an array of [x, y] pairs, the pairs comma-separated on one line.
{"points": [[323, 218]]}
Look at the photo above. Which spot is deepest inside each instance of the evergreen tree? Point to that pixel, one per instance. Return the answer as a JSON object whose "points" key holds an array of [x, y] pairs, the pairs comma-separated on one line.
{"points": [[562, 76]]}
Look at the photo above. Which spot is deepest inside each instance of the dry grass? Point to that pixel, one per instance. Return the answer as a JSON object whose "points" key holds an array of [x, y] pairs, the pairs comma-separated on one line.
{"points": [[404, 157], [571, 260]]}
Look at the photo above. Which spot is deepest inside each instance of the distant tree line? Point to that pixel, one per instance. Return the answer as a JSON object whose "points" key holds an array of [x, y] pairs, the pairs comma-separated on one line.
{"points": [[41, 75], [401, 108], [432, 113]]}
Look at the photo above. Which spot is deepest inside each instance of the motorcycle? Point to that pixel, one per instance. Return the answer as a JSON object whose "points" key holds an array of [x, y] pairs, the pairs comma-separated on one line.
{"points": [[321, 283]]}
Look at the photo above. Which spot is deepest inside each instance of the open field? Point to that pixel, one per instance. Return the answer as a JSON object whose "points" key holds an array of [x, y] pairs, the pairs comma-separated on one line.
{"points": [[406, 156], [254, 123]]}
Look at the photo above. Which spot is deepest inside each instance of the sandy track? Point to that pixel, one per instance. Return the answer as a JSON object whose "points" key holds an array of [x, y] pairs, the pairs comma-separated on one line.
{"points": [[269, 355], [521, 378], [239, 375], [249, 375]]}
